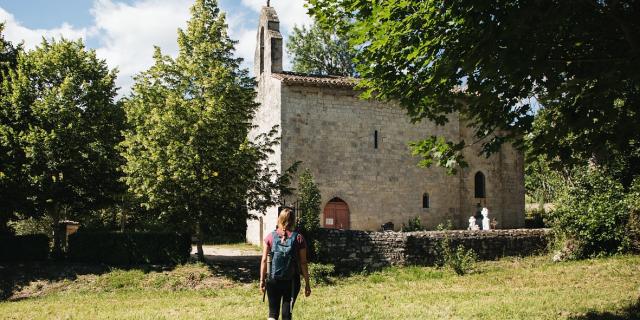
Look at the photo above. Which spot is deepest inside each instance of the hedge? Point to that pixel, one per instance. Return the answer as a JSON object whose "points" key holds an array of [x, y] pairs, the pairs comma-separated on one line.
{"points": [[129, 248], [33, 247]]}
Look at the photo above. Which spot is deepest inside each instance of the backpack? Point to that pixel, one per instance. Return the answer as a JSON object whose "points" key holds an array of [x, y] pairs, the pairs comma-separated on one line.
{"points": [[283, 258]]}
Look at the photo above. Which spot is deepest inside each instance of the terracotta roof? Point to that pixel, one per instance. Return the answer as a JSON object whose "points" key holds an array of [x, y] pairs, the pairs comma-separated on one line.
{"points": [[292, 78]]}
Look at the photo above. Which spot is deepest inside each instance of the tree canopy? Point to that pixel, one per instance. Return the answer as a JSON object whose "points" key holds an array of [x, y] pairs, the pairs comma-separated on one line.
{"points": [[318, 51], [490, 60], [60, 125], [10, 184], [187, 152]]}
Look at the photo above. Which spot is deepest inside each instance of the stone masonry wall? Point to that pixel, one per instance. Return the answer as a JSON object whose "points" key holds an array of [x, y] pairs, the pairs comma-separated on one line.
{"points": [[351, 250], [332, 132]]}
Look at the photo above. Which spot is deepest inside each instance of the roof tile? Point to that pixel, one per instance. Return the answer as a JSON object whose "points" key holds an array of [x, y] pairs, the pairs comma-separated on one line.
{"points": [[293, 78]]}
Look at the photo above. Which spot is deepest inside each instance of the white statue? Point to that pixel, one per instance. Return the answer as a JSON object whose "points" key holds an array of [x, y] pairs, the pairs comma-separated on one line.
{"points": [[486, 223], [472, 223]]}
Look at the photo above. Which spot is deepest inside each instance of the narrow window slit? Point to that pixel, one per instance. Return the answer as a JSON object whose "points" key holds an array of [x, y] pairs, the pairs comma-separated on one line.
{"points": [[375, 139]]}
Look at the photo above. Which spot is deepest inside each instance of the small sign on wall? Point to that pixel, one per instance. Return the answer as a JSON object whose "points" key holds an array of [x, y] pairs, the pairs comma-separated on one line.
{"points": [[328, 221]]}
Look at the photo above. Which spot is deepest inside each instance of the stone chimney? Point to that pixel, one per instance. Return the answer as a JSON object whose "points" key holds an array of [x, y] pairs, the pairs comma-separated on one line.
{"points": [[268, 57]]}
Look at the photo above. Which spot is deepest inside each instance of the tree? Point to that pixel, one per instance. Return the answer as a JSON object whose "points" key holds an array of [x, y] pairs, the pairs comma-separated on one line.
{"points": [[541, 182], [490, 62], [63, 129], [318, 51], [8, 55], [309, 202], [187, 153], [10, 185], [591, 215]]}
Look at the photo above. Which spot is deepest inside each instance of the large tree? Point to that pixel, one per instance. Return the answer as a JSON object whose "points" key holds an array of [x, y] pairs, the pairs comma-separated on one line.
{"points": [[187, 152], [315, 50], [63, 126], [488, 60], [11, 190]]}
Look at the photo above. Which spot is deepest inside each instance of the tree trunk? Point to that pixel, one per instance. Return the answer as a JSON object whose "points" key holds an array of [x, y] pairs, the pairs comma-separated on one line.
{"points": [[123, 219], [4, 228], [54, 213], [199, 242]]}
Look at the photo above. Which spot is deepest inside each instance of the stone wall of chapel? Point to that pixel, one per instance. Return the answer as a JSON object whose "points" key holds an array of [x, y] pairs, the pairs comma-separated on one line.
{"points": [[332, 132], [267, 116], [504, 181]]}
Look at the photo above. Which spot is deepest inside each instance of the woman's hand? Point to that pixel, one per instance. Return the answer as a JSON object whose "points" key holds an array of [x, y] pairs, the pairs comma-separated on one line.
{"points": [[307, 290], [263, 286]]}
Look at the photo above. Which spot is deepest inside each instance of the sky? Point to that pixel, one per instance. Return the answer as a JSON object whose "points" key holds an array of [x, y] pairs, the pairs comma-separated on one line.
{"points": [[124, 32]]}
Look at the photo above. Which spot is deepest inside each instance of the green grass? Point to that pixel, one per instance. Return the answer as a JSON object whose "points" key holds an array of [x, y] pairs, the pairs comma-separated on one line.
{"points": [[529, 288]]}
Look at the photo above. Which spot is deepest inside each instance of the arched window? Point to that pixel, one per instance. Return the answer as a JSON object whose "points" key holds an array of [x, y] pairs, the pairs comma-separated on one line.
{"points": [[480, 185], [425, 200]]}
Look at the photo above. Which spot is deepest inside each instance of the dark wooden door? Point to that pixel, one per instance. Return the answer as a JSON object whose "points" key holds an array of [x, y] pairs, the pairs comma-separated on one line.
{"points": [[336, 215]]}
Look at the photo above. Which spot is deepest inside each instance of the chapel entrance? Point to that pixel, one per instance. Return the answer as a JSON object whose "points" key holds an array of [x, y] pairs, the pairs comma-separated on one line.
{"points": [[336, 214]]}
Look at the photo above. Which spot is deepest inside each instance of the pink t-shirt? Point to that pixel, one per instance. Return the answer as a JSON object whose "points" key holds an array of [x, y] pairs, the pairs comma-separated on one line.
{"points": [[300, 243]]}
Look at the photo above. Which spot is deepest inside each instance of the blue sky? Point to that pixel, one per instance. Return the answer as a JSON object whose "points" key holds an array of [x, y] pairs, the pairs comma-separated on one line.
{"points": [[123, 32]]}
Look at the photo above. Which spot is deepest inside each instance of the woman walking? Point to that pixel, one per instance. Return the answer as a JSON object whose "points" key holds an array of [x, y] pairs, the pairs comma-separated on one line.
{"points": [[284, 254]]}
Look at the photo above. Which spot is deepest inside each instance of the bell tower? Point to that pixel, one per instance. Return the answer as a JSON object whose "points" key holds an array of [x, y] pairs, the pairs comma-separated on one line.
{"points": [[268, 56]]}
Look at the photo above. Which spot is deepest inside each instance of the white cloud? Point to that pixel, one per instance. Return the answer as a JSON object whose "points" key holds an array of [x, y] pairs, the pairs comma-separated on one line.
{"points": [[242, 29], [128, 33], [125, 33], [15, 32], [290, 12], [246, 46]]}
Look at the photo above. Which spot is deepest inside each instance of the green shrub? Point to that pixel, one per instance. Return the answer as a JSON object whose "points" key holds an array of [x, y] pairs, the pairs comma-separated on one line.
{"points": [[321, 273], [633, 225], [129, 248], [457, 258], [309, 201], [443, 226], [41, 225], [414, 224], [461, 260], [591, 214], [33, 247]]}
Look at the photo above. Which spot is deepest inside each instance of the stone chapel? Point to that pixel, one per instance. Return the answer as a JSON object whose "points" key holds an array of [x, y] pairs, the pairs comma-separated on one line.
{"points": [[357, 152]]}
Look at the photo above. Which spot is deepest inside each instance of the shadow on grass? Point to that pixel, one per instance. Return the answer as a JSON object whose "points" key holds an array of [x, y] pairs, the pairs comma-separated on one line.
{"points": [[16, 276], [631, 312], [243, 269]]}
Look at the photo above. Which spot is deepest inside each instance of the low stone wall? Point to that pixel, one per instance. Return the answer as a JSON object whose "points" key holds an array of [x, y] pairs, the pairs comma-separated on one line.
{"points": [[352, 250]]}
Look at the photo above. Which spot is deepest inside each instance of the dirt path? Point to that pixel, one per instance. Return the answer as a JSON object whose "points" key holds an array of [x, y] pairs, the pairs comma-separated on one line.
{"points": [[224, 253], [239, 264]]}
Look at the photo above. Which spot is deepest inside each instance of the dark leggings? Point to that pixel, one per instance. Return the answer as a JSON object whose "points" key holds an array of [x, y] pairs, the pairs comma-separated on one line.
{"points": [[281, 291]]}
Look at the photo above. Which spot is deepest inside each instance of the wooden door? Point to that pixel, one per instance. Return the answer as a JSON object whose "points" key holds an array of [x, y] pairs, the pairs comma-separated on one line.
{"points": [[336, 215]]}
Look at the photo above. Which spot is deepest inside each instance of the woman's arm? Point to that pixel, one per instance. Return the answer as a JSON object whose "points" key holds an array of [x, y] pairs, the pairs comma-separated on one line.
{"points": [[304, 268], [263, 267]]}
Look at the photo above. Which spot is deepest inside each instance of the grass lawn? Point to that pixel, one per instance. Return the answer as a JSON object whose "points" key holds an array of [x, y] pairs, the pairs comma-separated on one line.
{"points": [[528, 288]]}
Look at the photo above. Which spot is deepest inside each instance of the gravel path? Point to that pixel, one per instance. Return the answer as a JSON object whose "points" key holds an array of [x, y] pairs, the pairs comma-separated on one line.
{"points": [[215, 252], [240, 265]]}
